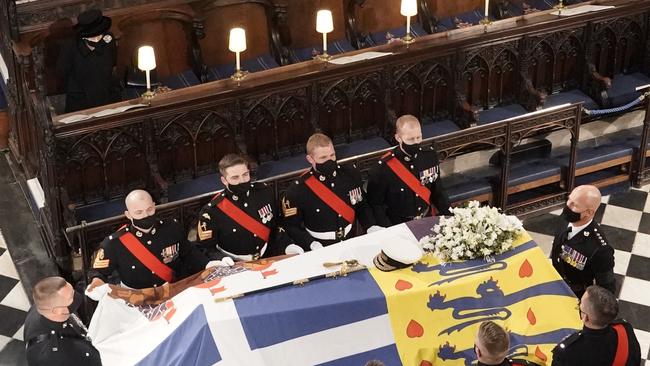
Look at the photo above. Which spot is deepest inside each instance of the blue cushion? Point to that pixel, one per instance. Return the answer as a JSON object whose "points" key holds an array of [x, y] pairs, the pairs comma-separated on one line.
{"points": [[471, 17], [570, 96], [380, 38], [438, 127], [360, 147], [194, 187], [277, 167], [261, 63], [532, 170], [623, 85], [500, 113], [183, 80], [308, 53], [445, 24], [100, 210], [470, 183]]}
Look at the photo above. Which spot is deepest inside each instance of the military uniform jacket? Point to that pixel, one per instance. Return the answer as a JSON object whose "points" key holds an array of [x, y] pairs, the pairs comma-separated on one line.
{"points": [[584, 258], [167, 241], [302, 208], [88, 74], [596, 347], [217, 229], [64, 345], [392, 201]]}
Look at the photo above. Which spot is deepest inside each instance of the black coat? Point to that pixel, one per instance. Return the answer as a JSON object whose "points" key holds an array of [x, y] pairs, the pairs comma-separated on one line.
{"points": [[88, 74], [585, 259], [63, 343], [392, 201], [216, 229], [167, 241], [302, 208], [596, 347]]}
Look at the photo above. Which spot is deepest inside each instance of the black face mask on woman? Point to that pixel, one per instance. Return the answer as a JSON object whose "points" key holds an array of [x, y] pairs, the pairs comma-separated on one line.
{"points": [[569, 215], [327, 167]]}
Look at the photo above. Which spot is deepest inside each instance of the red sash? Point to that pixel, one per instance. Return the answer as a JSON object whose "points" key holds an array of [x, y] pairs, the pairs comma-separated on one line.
{"points": [[622, 347], [244, 219], [331, 199], [411, 181], [146, 257]]}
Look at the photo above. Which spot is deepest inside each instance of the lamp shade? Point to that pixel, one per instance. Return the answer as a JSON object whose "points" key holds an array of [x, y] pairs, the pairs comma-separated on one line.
{"points": [[409, 8], [146, 58], [324, 23], [237, 40]]}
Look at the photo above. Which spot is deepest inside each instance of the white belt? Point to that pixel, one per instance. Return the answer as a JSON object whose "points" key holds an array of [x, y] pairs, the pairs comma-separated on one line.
{"points": [[243, 257], [328, 235]]}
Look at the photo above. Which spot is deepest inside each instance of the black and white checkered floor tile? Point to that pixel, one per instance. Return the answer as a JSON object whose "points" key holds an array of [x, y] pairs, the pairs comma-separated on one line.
{"points": [[13, 309], [624, 217], [625, 220]]}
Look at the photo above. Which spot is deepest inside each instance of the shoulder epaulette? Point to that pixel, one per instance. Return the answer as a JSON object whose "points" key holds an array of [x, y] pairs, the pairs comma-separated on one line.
{"points": [[567, 341]]}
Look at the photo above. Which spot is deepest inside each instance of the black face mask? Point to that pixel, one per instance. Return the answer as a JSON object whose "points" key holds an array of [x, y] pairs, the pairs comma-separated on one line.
{"points": [[144, 223], [327, 168], [569, 215], [411, 149], [239, 189]]}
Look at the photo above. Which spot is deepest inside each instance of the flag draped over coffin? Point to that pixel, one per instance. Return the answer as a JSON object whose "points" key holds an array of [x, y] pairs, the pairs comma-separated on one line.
{"points": [[424, 315]]}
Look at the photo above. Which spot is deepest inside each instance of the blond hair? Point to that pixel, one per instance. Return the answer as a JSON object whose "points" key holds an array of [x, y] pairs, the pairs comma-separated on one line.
{"points": [[317, 140], [407, 119]]}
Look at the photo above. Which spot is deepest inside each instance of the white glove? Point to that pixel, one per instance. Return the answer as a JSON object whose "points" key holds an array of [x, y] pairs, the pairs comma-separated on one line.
{"points": [[98, 292], [315, 245], [294, 249], [374, 228], [224, 262]]}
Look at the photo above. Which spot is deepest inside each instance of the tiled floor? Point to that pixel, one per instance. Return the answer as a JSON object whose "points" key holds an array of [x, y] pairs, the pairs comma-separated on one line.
{"points": [[13, 308], [624, 217]]}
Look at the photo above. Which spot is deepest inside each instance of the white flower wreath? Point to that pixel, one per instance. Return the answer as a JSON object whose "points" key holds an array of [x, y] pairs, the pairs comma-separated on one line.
{"points": [[472, 232]]}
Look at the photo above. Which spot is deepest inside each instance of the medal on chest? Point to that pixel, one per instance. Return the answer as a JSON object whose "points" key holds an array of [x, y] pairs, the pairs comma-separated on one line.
{"points": [[265, 213], [573, 257], [169, 253], [429, 175], [356, 195]]}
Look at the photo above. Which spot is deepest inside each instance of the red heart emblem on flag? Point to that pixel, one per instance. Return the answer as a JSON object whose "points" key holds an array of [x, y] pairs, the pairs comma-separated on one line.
{"points": [[402, 285], [426, 363], [526, 269], [414, 329]]}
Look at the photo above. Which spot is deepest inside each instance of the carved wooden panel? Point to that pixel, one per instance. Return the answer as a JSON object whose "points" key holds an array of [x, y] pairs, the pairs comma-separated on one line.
{"points": [[277, 125], [353, 107], [424, 89], [489, 75], [617, 45], [103, 164], [190, 144]]}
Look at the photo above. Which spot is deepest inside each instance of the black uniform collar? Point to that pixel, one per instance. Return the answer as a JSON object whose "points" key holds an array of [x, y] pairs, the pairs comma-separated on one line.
{"points": [[51, 324], [235, 197], [595, 332], [401, 155], [322, 177], [504, 363], [141, 234]]}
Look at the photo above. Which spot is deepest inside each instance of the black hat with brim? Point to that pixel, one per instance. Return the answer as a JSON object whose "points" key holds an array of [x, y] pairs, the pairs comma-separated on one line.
{"points": [[92, 23]]}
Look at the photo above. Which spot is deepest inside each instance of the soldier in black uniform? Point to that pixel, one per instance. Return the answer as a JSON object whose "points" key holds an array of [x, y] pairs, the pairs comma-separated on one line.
{"points": [[323, 204], [242, 221], [399, 184], [54, 334], [602, 339], [148, 252], [86, 64], [580, 253], [491, 347]]}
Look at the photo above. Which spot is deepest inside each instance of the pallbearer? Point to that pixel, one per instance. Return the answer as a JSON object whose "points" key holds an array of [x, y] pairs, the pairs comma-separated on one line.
{"points": [[242, 221], [405, 184], [321, 207]]}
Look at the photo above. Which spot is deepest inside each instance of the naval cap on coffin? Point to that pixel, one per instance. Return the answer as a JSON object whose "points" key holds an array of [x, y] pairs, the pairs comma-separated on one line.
{"points": [[398, 253]]}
